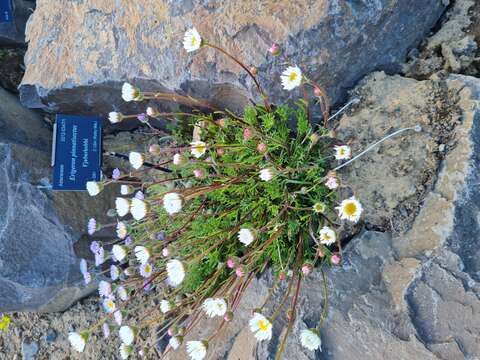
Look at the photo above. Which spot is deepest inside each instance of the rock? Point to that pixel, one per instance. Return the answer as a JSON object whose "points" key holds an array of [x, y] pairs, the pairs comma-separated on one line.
{"points": [[80, 52], [13, 32], [29, 350], [38, 229], [51, 336], [412, 294], [453, 47], [11, 71]]}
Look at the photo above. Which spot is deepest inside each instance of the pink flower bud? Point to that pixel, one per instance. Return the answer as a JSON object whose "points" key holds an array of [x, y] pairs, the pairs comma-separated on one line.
{"points": [[262, 148], [307, 269], [247, 134], [335, 259], [165, 251], [221, 151], [154, 149], [274, 49], [253, 70], [282, 275], [239, 271], [320, 252], [228, 316], [230, 263], [317, 91], [199, 173], [221, 122]]}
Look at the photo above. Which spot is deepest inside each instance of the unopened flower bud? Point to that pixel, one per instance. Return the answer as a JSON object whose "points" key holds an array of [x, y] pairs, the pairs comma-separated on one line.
{"points": [[230, 263], [151, 111], [179, 159], [314, 138], [228, 316], [247, 134], [142, 118], [154, 149], [221, 151], [254, 71], [239, 271], [335, 259], [274, 49], [320, 252], [317, 91], [307, 269], [282, 275], [221, 122], [262, 148], [290, 315], [165, 251], [199, 173]]}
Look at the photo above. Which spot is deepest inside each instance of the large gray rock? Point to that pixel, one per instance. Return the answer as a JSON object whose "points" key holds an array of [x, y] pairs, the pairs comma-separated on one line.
{"points": [[13, 32], [81, 51], [409, 294], [38, 228]]}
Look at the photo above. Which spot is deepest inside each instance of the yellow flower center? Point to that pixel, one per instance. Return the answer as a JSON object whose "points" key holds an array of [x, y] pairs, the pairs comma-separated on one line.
{"points": [[343, 151], [110, 304], [293, 76], [326, 237], [147, 269], [263, 325], [199, 148], [194, 41], [350, 209]]}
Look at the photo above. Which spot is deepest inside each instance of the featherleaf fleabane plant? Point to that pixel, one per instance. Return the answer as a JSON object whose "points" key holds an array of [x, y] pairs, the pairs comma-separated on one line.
{"points": [[243, 193]]}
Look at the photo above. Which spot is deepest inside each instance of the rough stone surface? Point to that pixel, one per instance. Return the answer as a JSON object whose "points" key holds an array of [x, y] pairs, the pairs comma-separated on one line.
{"points": [[38, 228], [81, 51], [29, 350], [13, 33], [404, 295]]}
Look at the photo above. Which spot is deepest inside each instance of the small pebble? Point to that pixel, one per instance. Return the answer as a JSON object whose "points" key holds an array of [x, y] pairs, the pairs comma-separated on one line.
{"points": [[51, 336], [29, 350]]}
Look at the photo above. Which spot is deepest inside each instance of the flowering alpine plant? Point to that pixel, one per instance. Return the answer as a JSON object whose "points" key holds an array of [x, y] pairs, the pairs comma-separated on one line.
{"points": [[246, 192]]}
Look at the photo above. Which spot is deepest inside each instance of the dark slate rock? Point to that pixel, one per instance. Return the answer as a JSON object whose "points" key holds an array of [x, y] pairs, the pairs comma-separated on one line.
{"points": [[13, 32]]}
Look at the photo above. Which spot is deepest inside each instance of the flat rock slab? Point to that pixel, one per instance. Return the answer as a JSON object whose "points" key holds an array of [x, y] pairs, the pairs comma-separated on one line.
{"points": [[80, 52], [38, 228]]}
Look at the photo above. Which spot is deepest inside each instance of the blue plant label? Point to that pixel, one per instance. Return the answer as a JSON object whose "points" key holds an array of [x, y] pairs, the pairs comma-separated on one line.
{"points": [[77, 152], [6, 11]]}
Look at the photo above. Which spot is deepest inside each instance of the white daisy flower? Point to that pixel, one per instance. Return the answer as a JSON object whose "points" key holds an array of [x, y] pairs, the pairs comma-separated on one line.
{"points": [[138, 209], [176, 272], [136, 159], [109, 305], [119, 252], [175, 342], [350, 209], [192, 40], [121, 230], [327, 236], [125, 351], [146, 270], [266, 174], [126, 189], [142, 254], [131, 93], [172, 203], [310, 340], [197, 350], [291, 78], [215, 307], [122, 293], [78, 341], [261, 327], [114, 272], [127, 334], [122, 206], [117, 315], [246, 236], [198, 148], [94, 187], [165, 306], [342, 152], [115, 117]]}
